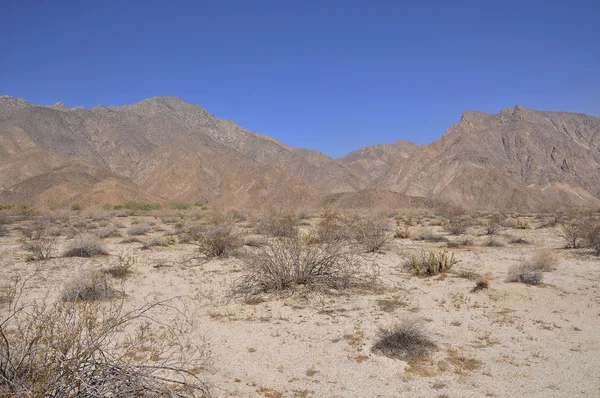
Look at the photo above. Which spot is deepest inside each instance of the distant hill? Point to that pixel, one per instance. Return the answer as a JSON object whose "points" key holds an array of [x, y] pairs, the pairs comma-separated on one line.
{"points": [[165, 149]]}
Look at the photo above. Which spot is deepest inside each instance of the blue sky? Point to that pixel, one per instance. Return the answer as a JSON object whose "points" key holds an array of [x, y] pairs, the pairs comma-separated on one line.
{"points": [[328, 75]]}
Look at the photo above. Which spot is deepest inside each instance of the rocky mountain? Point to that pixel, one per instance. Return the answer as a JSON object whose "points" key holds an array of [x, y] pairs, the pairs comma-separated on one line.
{"points": [[518, 158], [372, 162], [165, 149]]}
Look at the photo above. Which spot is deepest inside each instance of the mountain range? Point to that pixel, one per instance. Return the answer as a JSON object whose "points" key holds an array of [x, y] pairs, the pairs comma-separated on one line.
{"points": [[164, 149]]}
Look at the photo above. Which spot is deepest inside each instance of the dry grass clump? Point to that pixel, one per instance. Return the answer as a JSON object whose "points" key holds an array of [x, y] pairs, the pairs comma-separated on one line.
{"points": [[95, 350], [122, 269], [88, 285], [430, 264], [85, 246], [218, 237], [521, 224], [138, 229], [519, 241], [402, 233], [284, 264], [278, 224], [407, 340]]}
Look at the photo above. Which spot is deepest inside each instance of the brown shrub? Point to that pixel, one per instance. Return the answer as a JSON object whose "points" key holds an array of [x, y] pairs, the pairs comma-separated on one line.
{"points": [[407, 340], [92, 350], [285, 263]]}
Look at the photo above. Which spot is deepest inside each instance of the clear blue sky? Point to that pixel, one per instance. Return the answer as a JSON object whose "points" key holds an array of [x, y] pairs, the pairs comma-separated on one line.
{"points": [[328, 75]]}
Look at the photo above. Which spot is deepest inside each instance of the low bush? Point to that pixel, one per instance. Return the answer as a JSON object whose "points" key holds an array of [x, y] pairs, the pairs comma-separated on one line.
{"points": [[39, 240], [402, 233], [154, 242], [283, 264], [88, 285], [430, 264], [522, 224], [371, 232], [96, 350], [457, 225], [427, 234], [138, 229], [493, 225], [525, 273], [122, 269], [85, 246], [278, 224], [108, 232], [493, 243], [405, 341], [217, 238]]}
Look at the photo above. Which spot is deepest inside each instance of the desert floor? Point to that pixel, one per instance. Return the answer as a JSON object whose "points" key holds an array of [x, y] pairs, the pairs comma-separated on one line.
{"points": [[507, 340]]}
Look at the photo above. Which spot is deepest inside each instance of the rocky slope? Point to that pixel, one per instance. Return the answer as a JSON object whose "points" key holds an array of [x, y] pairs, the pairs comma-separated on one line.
{"points": [[518, 158], [165, 149]]}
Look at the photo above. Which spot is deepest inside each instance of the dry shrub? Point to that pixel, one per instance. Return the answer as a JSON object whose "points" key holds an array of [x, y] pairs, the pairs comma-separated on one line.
{"points": [[521, 224], [138, 229], [88, 285], [332, 227], [109, 232], [430, 264], [427, 234], [402, 233], [525, 273], [457, 225], [122, 269], [39, 239], [217, 237], [407, 340], [154, 242], [96, 350], [574, 233], [285, 263], [278, 224], [493, 243], [545, 260], [494, 224], [371, 232], [85, 246]]}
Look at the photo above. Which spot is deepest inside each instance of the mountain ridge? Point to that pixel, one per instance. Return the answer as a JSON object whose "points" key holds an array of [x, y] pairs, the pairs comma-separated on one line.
{"points": [[164, 146]]}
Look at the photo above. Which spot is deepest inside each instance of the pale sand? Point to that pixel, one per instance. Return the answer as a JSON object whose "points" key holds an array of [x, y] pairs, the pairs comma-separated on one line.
{"points": [[511, 340]]}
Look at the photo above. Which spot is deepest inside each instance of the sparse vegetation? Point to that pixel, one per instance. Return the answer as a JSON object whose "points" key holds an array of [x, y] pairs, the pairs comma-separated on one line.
{"points": [[430, 264], [85, 246], [88, 285], [138, 229], [122, 269], [493, 224], [407, 340], [371, 232], [278, 224], [92, 350], [283, 264], [216, 238], [525, 273], [457, 225], [39, 240]]}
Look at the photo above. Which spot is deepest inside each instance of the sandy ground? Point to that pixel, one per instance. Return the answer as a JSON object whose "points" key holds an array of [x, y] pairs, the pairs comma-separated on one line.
{"points": [[510, 340]]}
